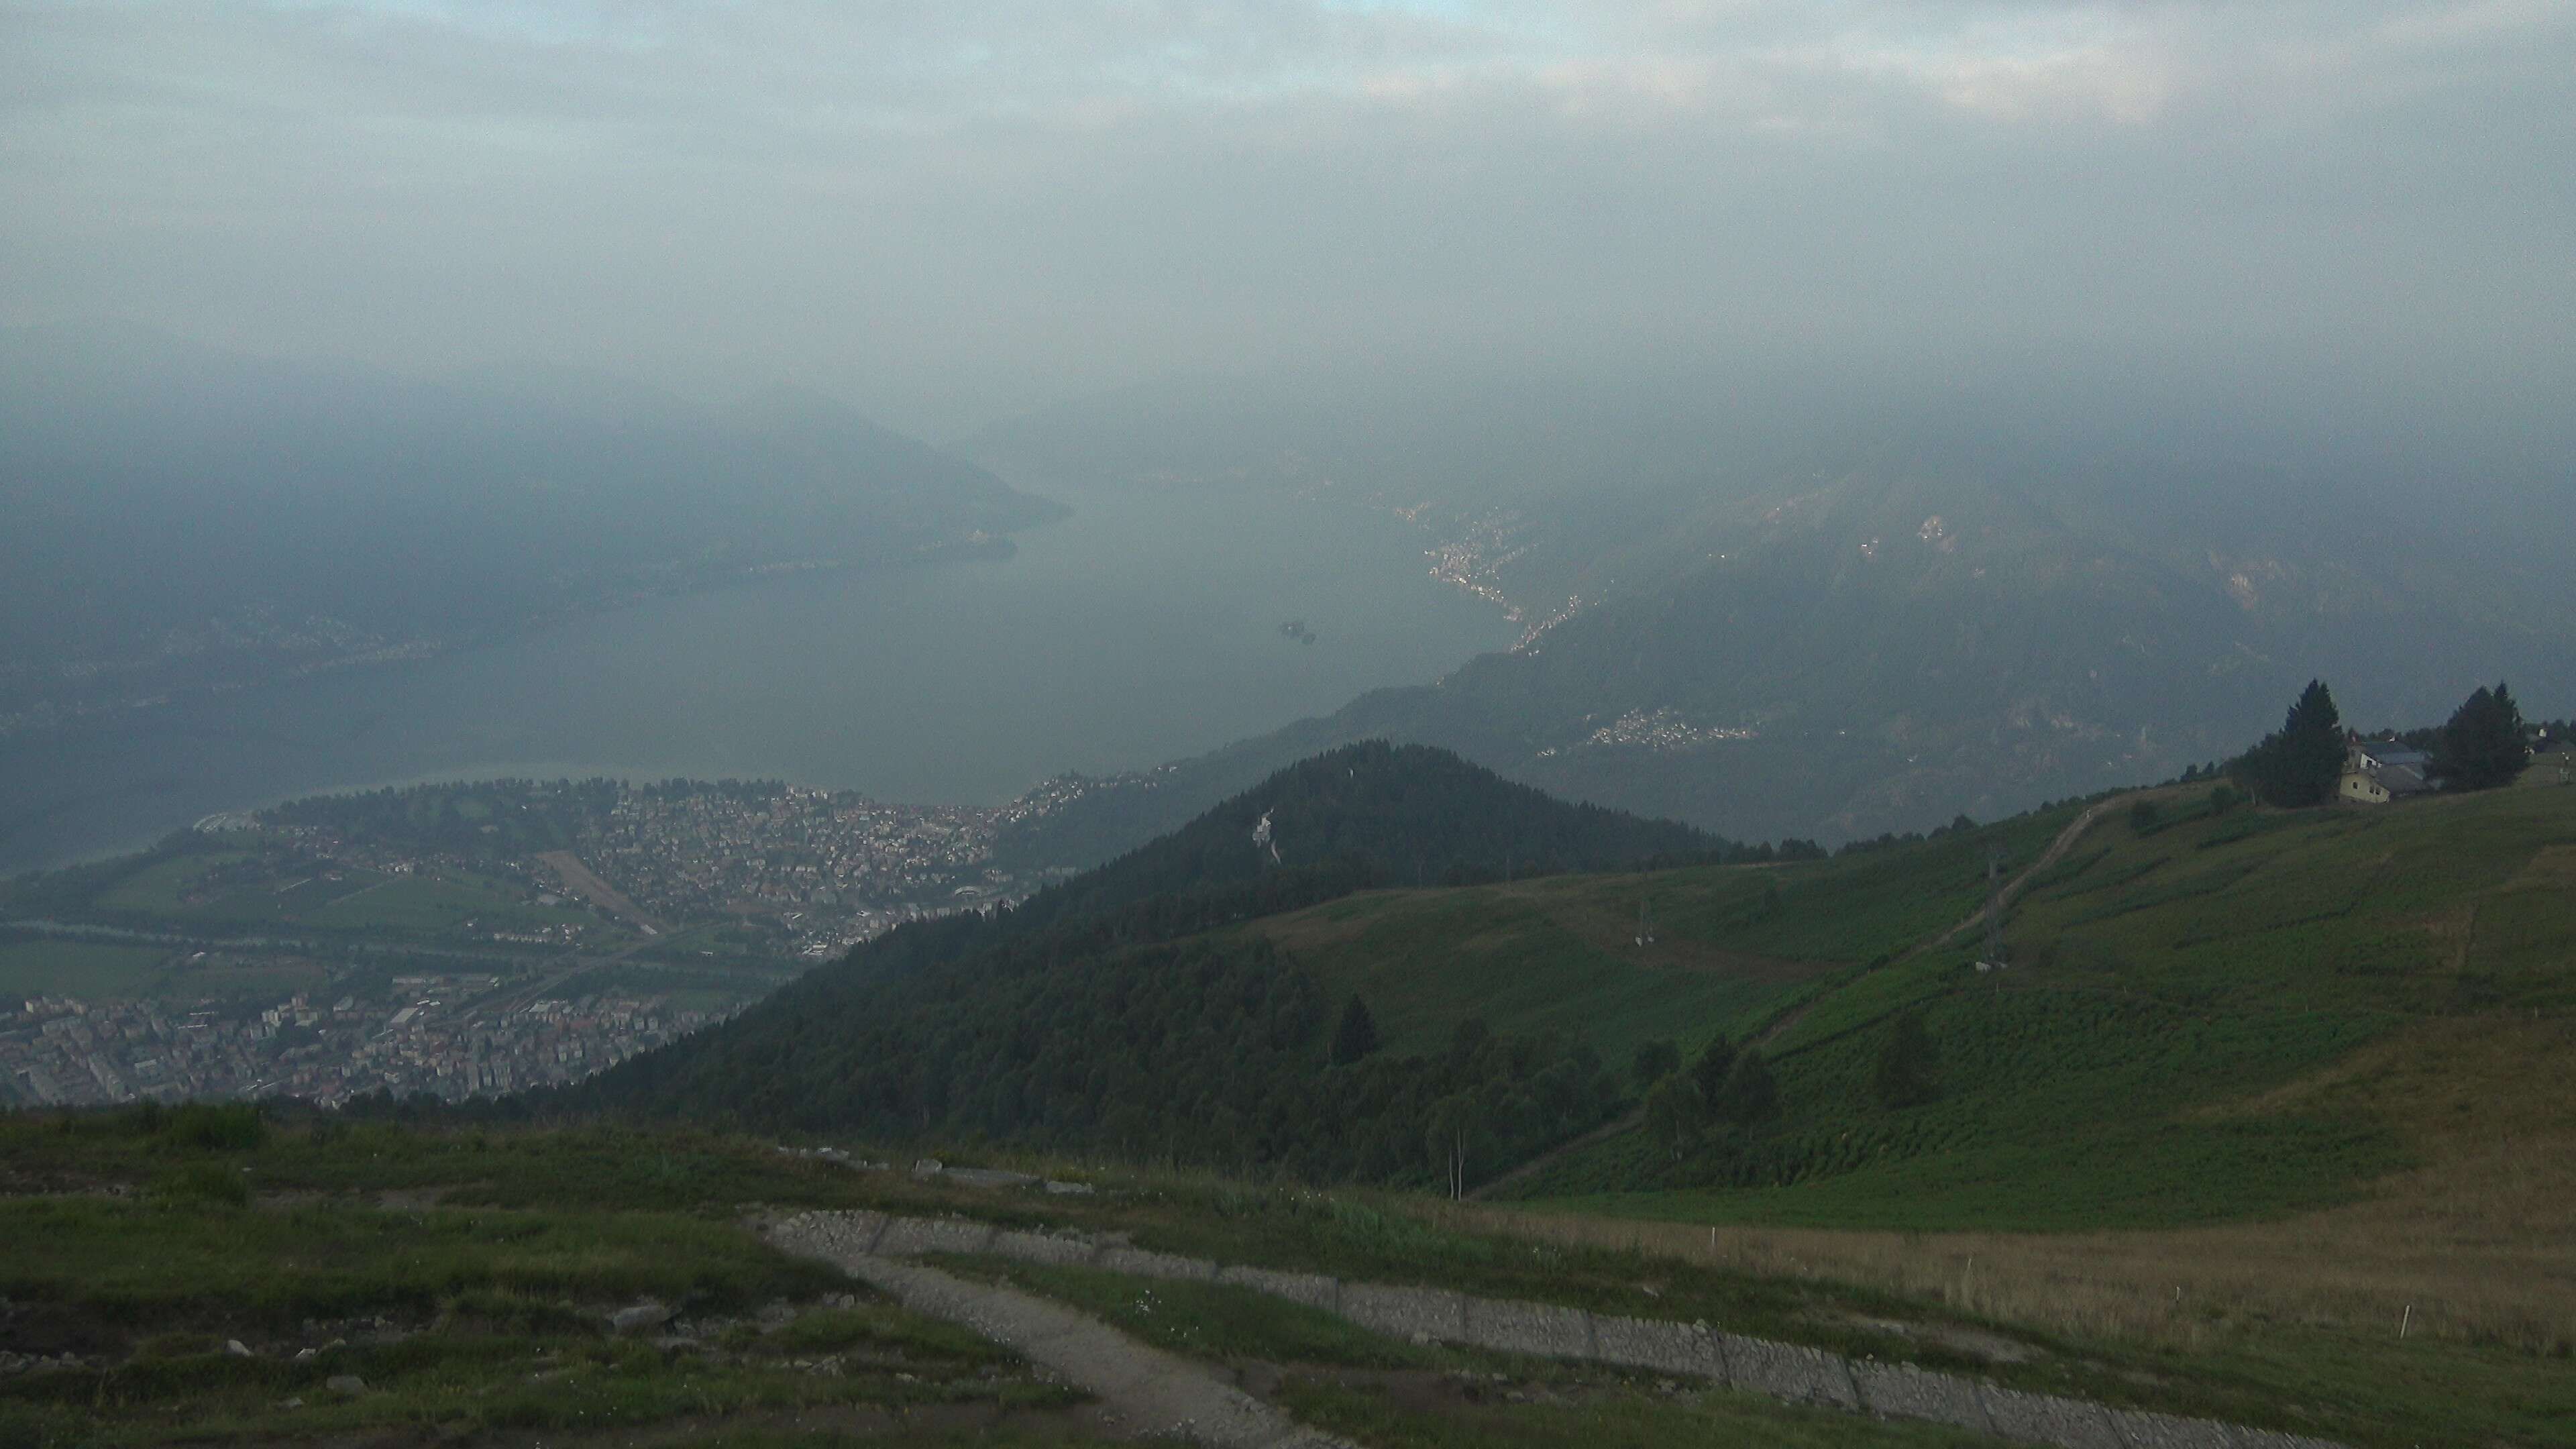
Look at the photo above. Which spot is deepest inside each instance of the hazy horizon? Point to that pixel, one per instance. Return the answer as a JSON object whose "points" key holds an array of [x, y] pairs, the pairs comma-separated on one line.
{"points": [[951, 215]]}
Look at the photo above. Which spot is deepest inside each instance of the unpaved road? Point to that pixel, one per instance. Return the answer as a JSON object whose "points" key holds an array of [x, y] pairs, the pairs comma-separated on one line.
{"points": [[1145, 1391]]}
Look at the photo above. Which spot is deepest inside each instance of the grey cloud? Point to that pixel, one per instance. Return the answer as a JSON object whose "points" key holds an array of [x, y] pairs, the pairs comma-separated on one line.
{"points": [[948, 211]]}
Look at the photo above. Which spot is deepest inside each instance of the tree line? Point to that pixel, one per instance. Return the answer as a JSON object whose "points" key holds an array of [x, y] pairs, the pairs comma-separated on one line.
{"points": [[2483, 745]]}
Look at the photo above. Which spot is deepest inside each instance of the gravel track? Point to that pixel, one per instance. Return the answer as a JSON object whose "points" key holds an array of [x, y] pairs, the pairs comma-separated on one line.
{"points": [[1144, 1391], [1150, 1392]]}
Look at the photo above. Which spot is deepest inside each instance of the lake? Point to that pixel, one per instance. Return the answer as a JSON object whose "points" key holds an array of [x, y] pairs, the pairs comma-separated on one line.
{"points": [[1142, 629]]}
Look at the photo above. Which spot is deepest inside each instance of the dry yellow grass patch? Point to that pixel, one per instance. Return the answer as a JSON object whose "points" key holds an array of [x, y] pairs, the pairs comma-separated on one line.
{"points": [[2477, 1244]]}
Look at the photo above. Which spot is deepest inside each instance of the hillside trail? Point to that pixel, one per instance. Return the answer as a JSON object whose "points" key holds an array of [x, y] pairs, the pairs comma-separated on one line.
{"points": [[2063, 842], [1143, 1392], [1627, 1122], [2058, 846], [2013, 888]]}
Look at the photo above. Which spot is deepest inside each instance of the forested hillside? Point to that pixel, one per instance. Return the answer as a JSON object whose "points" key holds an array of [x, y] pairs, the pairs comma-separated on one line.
{"points": [[1076, 1021]]}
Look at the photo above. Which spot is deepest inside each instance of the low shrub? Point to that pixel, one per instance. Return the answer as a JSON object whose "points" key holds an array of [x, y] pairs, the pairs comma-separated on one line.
{"points": [[200, 1184]]}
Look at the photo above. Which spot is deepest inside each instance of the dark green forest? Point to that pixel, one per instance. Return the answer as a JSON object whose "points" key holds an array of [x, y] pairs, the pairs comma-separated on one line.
{"points": [[1214, 1054]]}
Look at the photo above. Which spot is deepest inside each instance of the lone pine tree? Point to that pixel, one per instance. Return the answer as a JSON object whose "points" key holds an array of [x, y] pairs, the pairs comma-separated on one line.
{"points": [[1709, 1069], [1906, 1063], [1751, 1095], [1356, 1037]]}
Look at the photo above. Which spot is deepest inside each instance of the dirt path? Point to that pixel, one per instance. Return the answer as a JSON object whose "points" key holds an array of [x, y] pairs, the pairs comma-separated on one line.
{"points": [[1145, 1392], [1527, 1170], [1155, 1393], [2013, 888]]}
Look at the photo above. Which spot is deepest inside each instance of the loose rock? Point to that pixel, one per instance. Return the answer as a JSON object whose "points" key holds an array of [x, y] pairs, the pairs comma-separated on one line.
{"points": [[636, 1318]]}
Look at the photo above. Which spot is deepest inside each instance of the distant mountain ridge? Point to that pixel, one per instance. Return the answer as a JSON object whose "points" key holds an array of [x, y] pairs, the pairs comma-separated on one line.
{"points": [[186, 518], [1773, 638]]}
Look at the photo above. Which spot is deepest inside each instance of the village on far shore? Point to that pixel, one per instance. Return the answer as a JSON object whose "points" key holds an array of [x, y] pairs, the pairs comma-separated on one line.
{"points": [[462, 939]]}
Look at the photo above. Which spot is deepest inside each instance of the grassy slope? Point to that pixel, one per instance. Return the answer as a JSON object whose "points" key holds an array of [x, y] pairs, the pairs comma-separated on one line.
{"points": [[2260, 1084], [1735, 946], [2164, 975]]}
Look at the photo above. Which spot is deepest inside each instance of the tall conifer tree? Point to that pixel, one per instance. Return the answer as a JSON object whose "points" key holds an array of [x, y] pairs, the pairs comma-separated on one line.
{"points": [[2481, 747], [1356, 1037], [2297, 765]]}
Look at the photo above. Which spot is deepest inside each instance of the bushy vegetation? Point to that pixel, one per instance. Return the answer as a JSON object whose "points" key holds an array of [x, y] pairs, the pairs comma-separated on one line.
{"points": [[155, 1265], [451, 1324]]}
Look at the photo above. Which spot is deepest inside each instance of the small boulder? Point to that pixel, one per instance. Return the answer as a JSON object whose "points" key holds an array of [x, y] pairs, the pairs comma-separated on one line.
{"points": [[988, 1177], [345, 1384], [237, 1348], [636, 1318]]}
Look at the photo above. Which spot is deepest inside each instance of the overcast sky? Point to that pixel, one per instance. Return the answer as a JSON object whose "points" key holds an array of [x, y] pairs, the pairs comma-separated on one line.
{"points": [[947, 211]]}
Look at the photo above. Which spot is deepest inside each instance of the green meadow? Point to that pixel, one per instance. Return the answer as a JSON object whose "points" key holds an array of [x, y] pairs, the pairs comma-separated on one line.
{"points": [[44, 966]]}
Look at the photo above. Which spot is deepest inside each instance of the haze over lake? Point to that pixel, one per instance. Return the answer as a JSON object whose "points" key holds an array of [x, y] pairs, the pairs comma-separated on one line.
{"points": [[1144, 628]]}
